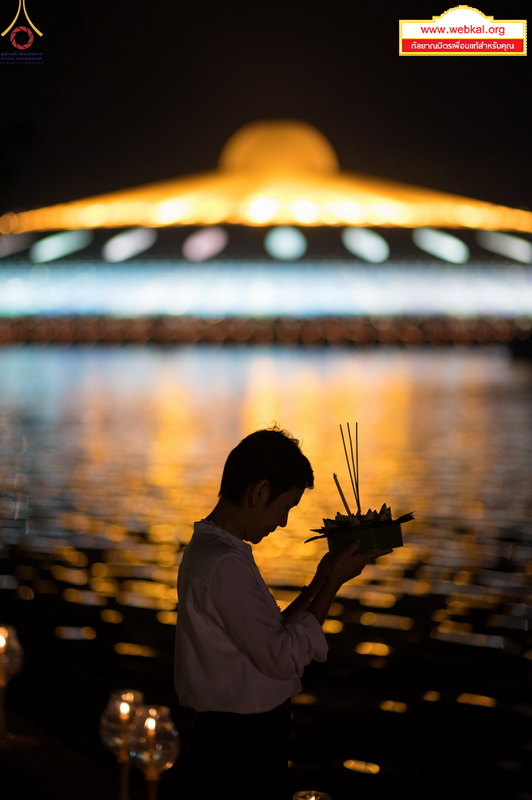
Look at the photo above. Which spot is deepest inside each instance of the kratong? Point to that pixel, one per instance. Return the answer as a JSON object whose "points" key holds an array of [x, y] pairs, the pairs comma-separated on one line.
{"points": [[376, 530]]}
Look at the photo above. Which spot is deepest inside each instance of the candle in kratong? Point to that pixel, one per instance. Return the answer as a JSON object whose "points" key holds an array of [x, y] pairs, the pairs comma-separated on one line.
{"points": [[344, 501]]}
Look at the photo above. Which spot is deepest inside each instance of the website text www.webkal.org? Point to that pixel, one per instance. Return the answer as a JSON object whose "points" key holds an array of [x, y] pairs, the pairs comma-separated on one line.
{"points": [[463, 44]]}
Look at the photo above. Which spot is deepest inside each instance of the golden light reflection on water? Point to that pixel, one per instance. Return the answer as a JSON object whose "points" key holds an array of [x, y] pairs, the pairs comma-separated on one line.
{"points": [[365, 767], [127, 446], [477, 700], [394, 706]]}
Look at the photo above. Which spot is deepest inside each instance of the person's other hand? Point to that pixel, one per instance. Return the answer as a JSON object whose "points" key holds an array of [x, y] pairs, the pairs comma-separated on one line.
{"points": [[349, 562]]}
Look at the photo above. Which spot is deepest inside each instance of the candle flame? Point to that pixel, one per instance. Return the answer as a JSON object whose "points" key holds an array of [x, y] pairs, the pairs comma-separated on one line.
{"points": [[3, 641], [124, 709], [150, 724]]}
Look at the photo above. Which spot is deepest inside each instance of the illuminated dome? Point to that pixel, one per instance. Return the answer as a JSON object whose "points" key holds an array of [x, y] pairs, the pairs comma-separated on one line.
{"points": [[274, 172], [279, 145]]}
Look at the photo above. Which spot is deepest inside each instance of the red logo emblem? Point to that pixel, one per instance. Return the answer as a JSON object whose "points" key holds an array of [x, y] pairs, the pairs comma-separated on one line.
{"points": [[21, 45]]}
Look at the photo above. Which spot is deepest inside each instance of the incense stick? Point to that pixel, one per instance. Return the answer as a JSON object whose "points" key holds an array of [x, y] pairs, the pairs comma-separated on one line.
{"points": [[347, 460], [358, 483], [353, 466]]}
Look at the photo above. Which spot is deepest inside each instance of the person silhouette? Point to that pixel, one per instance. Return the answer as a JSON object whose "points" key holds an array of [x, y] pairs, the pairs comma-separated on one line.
{"points": [[238, 659]]}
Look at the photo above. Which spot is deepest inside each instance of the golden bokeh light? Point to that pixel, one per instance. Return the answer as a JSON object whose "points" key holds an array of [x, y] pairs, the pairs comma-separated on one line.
{"points": [[111, 616], [131, 649], [373, 649], [432, 696], [273, 172], [365, 767], [333, 626], [395, 706], [476, 700], [305, 699]]}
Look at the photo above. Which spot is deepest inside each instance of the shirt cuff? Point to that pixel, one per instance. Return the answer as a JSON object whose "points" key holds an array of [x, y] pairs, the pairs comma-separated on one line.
{"points": [[315, 634]]}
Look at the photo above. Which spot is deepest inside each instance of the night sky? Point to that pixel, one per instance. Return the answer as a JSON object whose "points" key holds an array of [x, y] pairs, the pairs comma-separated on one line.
{"points": [[130, 93]]}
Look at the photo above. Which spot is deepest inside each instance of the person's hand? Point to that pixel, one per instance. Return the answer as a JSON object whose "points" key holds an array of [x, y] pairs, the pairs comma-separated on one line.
{"points": [[349, 562]]}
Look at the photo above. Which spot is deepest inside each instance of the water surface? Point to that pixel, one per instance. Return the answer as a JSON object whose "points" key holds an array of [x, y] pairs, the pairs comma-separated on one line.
{"points": [[108, 455]]}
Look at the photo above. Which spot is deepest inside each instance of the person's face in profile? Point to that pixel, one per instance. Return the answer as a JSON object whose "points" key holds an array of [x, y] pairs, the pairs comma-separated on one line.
{"points": [[271, 515]]}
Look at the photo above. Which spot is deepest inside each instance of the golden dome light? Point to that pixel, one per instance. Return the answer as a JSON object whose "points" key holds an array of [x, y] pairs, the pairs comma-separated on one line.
{"points": [[274, 172], [278, 146]]}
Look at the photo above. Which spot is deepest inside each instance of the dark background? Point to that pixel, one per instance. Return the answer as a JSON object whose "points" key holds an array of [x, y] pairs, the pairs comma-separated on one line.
{"points": [[135, 92]]}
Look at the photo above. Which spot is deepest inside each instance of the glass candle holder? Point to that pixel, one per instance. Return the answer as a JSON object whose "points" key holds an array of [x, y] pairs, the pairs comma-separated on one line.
{"points": [[11, 654], [11, 661], [154, 744], [116, 720], [115, 727]]}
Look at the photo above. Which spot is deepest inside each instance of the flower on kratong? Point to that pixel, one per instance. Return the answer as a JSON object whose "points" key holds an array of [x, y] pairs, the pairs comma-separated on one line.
{"points": [[372, 519], [351, 520]]}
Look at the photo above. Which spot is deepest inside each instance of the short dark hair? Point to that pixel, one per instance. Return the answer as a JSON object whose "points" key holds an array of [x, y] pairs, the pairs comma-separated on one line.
{"points": [[271, 454]]}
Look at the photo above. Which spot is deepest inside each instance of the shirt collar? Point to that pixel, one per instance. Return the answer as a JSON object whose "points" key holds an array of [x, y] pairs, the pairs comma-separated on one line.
{"points": [[206, 526]]}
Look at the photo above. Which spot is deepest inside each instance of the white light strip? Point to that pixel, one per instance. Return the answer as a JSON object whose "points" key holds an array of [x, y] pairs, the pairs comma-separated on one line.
{"points": [[205, 243], [367, 245], [128, 244], [504, 244], [222, 289], [285, 243], [59, 244], [442, 245]]}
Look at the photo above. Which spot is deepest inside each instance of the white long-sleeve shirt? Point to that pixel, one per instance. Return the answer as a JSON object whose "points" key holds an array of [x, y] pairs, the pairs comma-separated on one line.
{"points": [[234, 650]]}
